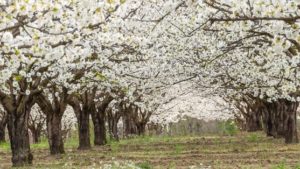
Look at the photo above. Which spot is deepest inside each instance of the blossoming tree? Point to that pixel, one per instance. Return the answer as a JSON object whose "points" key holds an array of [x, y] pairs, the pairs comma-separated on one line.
{"points": [[37, 39], [249, 48]]}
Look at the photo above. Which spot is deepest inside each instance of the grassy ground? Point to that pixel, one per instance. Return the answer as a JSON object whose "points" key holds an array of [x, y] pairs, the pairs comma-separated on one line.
{"points": [[249, 151]]}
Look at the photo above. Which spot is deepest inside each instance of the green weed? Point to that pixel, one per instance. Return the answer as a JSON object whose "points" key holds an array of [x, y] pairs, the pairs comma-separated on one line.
{"points": [[229, 128], [144, 165], [114, 146], [178, 149], [280, 166], [253, 137]]}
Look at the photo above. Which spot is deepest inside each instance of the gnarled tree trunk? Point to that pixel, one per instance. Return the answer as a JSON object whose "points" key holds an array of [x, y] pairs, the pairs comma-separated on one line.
{"points": [[290, 122], [113, 118], [129, 125], [54, 111], [99, 128], [3, 123], [35, 125], [113, 127], [84, 130], [249, 113], [82, 109], [129, 128], [2, 133], [273, 116], [280, 120], [54, 131], [253, 121], [18, 134], [269, 124], [98, 117], [141, 128], [140, 119], [36, 134]]}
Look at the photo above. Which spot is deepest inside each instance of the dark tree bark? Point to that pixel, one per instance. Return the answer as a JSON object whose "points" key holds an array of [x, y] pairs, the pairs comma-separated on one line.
{"points": [[253, 121], [99, 128], [268, 124], [141, 127], [98, 117], [3, 123], [113, 119], [2, 133], [36, 134], [18, 132], [54, 112], [140, 119], [249, 113], [36, 137], [130, 127], [35, 125], [280, 120], [83, 118], [273, 117], [54, 133], [114, 130], [113, 127], [18, 115], [290, 123], [135, 121], [84, 130]]}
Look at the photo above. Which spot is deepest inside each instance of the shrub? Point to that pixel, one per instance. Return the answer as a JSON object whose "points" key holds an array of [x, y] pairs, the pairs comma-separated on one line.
{"points": [[229, 128]]}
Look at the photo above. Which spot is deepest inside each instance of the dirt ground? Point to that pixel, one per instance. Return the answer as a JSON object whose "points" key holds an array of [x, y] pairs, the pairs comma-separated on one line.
{"points": [[249, 151]]}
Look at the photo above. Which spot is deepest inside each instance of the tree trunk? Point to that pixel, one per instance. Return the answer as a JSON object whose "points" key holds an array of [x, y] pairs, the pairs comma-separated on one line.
{"points": [[141, 127], [253, 122], [36, 136], [273, 116], [84, 130], [99, 128], [98, 117], [19, 139], [55, 137], [290, 123], [2, 133], [113, 128], [130, 127], [267, 123], [3, 124], [110, 128], [54, 111], [280, 120], [82, 115]]}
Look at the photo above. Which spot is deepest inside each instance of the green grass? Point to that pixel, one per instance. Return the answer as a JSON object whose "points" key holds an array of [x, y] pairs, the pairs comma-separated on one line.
{"points": [[228, 128], [40, 145], [43, 144], [244, 150], [114, 145], [71, 142], [151, 139], [4, 146], [144, 165], [280, 166], [178, 149], [253, 137]]}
